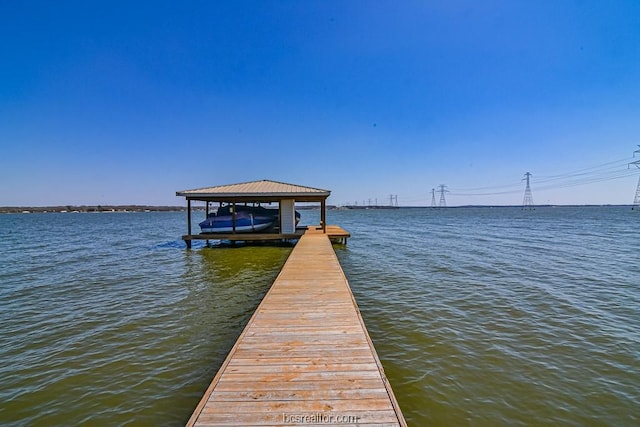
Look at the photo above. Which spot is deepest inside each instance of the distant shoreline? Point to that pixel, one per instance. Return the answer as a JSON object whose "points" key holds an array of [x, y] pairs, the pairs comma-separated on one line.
{"points": [[150, 208], [92, 209]]}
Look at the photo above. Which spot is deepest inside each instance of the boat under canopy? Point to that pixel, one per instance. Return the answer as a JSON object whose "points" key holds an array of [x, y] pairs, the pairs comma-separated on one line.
{"points": [[248, 219]]}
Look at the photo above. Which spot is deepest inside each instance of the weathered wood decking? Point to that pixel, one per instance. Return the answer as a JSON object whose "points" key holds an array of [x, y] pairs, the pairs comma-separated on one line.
{"points": [[305, 357]]}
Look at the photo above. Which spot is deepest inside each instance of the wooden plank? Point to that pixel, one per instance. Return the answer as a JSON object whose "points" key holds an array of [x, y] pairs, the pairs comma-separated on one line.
{"points": [[290, 406], [349, 384], [305, 354], [294, 395], [265, 353], [274, 369], [301, 330], [361, 418], [238, 360], [320, 377]]}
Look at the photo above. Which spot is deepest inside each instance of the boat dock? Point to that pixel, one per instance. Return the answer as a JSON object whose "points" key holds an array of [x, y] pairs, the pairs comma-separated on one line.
{"points": [[238, 196], [305, 357]]}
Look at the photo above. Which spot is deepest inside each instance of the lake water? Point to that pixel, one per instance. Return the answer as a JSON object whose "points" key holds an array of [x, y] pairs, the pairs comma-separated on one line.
{"points": [[481, 316]]}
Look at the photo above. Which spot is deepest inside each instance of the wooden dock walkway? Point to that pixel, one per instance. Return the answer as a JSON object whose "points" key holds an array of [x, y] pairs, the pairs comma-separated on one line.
{"points": [[305, 357]]}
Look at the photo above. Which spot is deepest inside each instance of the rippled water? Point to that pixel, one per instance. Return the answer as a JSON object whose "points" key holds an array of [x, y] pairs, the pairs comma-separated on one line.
{"points": [[480, 316]]}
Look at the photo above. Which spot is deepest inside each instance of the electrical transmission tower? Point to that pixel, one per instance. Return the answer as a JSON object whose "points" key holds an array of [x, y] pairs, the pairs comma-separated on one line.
{"points": [[433, 197], [527, 202], [443, 189], [636, 200]]}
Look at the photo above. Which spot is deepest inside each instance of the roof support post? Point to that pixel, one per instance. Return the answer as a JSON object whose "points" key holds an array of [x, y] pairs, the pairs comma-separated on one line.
{"points": [[233, 217], [189, 216], [188, 241], [323, 215], [287, 216]]}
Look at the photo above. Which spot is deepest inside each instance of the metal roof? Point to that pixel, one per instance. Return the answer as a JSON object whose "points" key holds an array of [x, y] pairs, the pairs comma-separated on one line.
{"points": [[265, 190]]}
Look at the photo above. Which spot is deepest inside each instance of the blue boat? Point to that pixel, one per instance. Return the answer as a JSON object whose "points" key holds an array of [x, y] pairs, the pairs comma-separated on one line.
{"points": [[249, 219]]}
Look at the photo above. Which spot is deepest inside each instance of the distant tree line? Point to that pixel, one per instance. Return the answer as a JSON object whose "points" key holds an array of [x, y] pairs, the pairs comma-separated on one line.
{"points": [[87, 208]]}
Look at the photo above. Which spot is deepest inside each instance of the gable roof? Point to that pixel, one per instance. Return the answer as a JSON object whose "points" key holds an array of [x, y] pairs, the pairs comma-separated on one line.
{"points": [[265, 190]]}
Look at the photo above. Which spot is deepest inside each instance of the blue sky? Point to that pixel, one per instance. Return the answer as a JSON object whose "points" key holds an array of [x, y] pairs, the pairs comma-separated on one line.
{"points": [[109, 102]]}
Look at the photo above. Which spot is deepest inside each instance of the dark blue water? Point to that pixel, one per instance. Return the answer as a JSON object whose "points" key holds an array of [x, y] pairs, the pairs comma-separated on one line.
{"points": [[481, 316]]}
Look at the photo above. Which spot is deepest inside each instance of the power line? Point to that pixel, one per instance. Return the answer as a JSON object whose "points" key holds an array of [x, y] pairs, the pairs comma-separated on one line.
{"points": [[492, 187], [498, 193], [603, 172], [598, 173], [612, 166]]}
